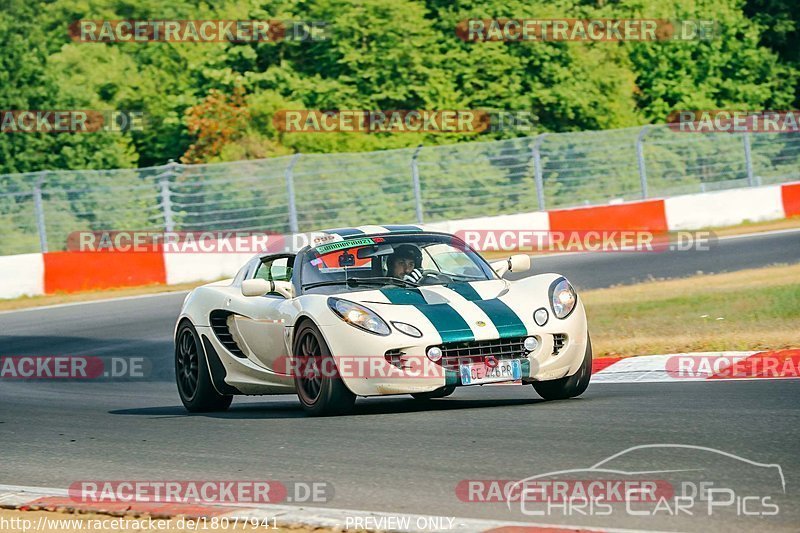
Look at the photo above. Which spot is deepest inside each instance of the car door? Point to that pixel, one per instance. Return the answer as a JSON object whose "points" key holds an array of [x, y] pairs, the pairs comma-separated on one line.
{"points": [[259, 322]]}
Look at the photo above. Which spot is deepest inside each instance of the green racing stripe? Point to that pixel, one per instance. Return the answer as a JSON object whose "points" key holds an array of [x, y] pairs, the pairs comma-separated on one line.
{"points": [[403, 296], [466, 290], [504, 318], [402, 228], [450, 325], [344, 232]]}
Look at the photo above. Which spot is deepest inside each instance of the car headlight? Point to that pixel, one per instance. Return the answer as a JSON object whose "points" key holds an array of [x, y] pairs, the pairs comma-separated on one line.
{"points": [[562, 298], [358, 316]]}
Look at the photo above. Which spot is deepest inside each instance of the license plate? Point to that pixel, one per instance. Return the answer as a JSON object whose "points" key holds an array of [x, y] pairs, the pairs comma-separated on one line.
{"points": [[504, 370]]}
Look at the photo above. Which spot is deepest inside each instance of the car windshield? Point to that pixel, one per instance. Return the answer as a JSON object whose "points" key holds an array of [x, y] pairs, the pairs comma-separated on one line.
{"points": [[403, 260]]}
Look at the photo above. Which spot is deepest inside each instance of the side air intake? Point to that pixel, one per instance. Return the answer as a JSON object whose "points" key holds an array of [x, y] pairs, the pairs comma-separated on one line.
{"points": [[219, 325]]}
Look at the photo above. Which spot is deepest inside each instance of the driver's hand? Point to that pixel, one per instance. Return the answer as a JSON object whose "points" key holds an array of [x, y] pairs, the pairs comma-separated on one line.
{"points": [[415, 276]]}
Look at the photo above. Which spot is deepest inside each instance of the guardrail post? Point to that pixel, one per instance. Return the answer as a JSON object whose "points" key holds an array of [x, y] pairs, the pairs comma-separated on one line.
{"points": [[748, 160], [417, 188], [640, 160], [166, 196], [39, 210], [289, 174], [537, 169]]}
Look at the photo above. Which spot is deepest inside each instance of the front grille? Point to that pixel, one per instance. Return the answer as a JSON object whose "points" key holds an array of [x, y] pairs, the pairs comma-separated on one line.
{"points": [[559, 340], [394, 357], [457, 353]]}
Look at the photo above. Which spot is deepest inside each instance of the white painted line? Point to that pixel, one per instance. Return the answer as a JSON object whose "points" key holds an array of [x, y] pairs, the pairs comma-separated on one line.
{"points": [[14, 496], [87, 302], [38, 491], [757, 234]]}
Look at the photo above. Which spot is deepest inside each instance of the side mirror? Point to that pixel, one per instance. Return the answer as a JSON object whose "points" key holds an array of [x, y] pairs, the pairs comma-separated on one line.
{"points": [[519, 263], [260, 287], [255, 287], [515, 263]]}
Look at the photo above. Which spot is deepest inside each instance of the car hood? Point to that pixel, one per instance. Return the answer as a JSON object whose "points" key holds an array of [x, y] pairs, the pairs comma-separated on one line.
{"points": [[457, 311], [452, 293]]}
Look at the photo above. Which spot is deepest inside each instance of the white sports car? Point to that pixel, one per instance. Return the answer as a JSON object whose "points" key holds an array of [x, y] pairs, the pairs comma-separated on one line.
{"points": [[379, 310]]}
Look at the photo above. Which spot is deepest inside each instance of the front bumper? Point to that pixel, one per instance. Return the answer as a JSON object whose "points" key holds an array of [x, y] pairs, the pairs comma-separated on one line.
{"points": [[364, 368]]}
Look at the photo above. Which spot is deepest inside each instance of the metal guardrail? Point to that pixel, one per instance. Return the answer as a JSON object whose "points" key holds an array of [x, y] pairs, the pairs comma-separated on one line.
{"points": [[312, 191]]}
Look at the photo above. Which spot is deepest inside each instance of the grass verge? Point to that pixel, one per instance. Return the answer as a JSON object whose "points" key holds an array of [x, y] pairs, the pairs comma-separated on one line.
{"points": [[755, 309], [756, 227]]}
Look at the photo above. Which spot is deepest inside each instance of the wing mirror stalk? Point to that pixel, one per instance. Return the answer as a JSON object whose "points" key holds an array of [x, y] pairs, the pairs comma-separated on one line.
{"points": [[515, 263]]}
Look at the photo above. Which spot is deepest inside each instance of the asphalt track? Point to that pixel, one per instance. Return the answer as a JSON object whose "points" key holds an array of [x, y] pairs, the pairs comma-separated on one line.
{"points": [[395, 454]]}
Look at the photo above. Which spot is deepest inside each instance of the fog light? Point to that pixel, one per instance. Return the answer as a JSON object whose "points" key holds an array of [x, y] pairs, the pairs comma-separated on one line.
{"points": [[408, 329], [540, 316], [530, 344], [434, 353]]}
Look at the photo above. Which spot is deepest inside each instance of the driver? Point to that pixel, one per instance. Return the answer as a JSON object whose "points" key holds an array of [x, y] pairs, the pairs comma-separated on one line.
{"points": [[405, 263]]}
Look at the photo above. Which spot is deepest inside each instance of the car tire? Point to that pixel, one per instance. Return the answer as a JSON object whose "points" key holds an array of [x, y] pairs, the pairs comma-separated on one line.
{"points": [[324, 394], [192, 376], [569, 386], [438, 393]]}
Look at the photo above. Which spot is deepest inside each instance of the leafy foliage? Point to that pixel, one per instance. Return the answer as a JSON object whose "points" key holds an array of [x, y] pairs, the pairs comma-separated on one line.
{"points": [[215, 102], [379, 54]]}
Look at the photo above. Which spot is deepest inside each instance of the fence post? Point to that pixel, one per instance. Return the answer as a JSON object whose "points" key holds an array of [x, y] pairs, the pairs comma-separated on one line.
{"points": [[640, 160], [39, 210], [417, 188], [293, 227], [166, 196], [537, 169], [748, 160]]}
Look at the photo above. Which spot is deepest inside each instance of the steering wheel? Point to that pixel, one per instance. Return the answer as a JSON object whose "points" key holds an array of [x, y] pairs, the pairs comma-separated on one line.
{"points": [[434, 274]]}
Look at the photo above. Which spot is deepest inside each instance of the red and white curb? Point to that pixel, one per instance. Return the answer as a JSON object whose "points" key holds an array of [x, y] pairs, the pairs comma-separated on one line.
{"points": [[51, 499], [698, 366]]}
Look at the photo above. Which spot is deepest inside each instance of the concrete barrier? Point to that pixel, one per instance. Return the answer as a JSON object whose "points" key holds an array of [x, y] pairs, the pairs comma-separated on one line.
{"points": [[21, 275], [724, 208]]}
